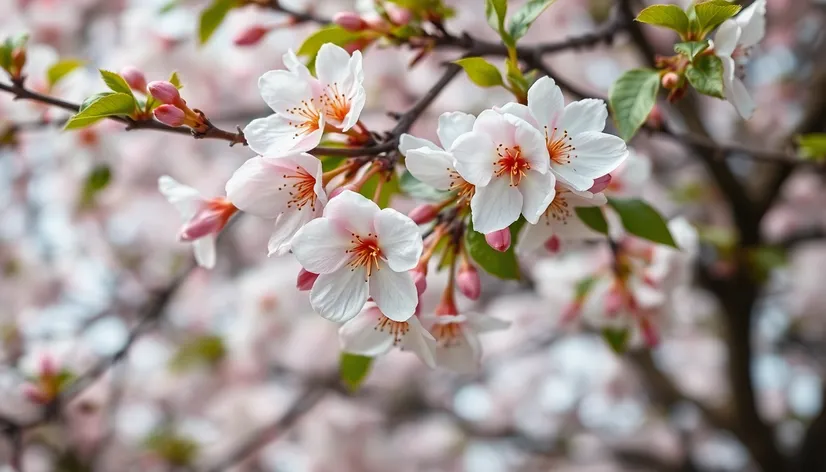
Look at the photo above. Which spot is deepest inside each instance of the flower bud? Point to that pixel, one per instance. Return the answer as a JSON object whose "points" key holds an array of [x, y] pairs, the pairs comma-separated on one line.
{"points": [[398, 15], [499, 240], [670, 80], [553, 244], [349, 21], [210, 218], [601, 183], [305, 280], [423, 214], [251, 35], [170, 115], [419, 279], [135, 78], [48, 366], [467, 280], [164, 92]]}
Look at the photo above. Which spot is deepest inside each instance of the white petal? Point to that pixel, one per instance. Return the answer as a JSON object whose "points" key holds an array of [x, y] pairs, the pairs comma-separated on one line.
{"points": [[294, 65], [283, 90], [475, 154], [420, 342], [340, 295], [537, 193], [313, 166], [461, 356], [726, 38], [531, 143], [399, 239], [333, 67], [482, 323], [729, 69], [496, 127], [286, 226], [356, 106], [360, 336], [595, 155], [432, 167], [394, 292], [205, 251], [585, 115], [320, 247], [546, 102], [752, 21], [533, 237], [257, 186], [352, 213], [517, 109], [495, 206], [408, 142], [185, 199], [275, 136], [739, 96], [452, 125]]}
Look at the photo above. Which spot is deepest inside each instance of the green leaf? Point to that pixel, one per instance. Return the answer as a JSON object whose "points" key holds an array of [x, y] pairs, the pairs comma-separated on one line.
{"points": [[169, 6], [691, 49], [501, 264], [212, 17], [61, 69], [706, 75], [593, 218], [812, 146], [641, 220], [114, 104], [5, 53], [176, 81], [617, 338], [115, 82], [96, 181], [205, 350], [522, 20], [495, 11], [173, 448], [418, 189], [389, 188], [583, 287], [712, 14], [632, 97], [331, 34], [765, 259], [353, 369], [666, 16], [481, 72], [516, 78]]}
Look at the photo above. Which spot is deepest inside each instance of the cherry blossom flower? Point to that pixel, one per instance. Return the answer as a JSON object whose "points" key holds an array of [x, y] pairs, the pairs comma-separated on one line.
{"points": [[360, 251], [578, 149], [732, 44], [457, 338], [505, 158], [205, 217], [288, 189], [304, 105], [371, 333]]}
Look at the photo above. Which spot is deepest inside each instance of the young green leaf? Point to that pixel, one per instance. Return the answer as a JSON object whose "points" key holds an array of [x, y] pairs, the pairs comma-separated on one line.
{"points": [[666, 16], [176, 81], [495, 11], [691, 49], [632, 97], [353, 370], [501, 264], [105, 105], [212, 17], [525, 16], [61, 69], [481, 72], [640, 219], [617, 338], [96, 181], [706, 75], [593, 218], [712, 14], [115, 82], [331, 34], [205, 350], [812, 146], [389, 188]]}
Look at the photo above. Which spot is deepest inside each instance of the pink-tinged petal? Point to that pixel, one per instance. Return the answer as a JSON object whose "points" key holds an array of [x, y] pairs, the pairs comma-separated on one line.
{"points": [[601, 183], [546, 103], [340, 295], [752, 21], [276, 136], [518, 110], [475, 154], [399, 239], [394, 293], [286, 226], [495, 206], [185, 199], [585, 115], [204, 249], [482, 323], [408, 142], [537, 193], [333, 68], [531, 143], [739, 96], [357, 102], [420, 342], [257, 187], [320, 248], [497, 129], [726, 38], [360, 336], [312, 165], [352, 213], [282, 90], [452, 125], [432, 167]]}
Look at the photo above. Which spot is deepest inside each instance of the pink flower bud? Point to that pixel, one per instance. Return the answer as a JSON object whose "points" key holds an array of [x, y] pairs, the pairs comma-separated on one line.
{"points": [[209, 219], [499, 240], [34, 394], [48, 366], [423, 214], [670, 80], [305, 280], [468, 282], [164, 92], [349, 21], [553, 244], [398, 15], [601, 183], [251, 35], [135, 78], [420, 279], [170, 115], [337, 191]]}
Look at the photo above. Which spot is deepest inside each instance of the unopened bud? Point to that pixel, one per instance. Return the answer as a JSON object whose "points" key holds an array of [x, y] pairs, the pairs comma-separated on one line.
{"points": [[48, 366], [601, 183], [670, 80], [356, 45], [423, 214], [18, 59], [420, 279], [349, 21], [398, 15], [499, 240], [135, 78], [170, 115], [305, 280], [553, 244], [164, 92], [210, 218], [467, 280], [251, 35]]}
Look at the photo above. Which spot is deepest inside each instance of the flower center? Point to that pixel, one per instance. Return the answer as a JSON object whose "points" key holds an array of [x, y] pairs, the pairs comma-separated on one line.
{"points": [[307, 118], [463, 189], [448, 334], [512, 163], [397, 329], [559, 148], [302, 190], [559, 209], [365, 253], [336, 105]]}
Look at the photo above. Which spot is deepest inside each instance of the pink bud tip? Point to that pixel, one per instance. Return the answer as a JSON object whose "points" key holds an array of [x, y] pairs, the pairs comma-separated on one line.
{"points": [[398, 15], [164, 92], [251, 35], [499, 240], [48, 366], [553, 244], [670, 80], [134, 77], [305, 280], [600, 183], [423, 214], [210, 218], [420, 279], [468, 282], [170, 115], [337, 191], [349, 21]]}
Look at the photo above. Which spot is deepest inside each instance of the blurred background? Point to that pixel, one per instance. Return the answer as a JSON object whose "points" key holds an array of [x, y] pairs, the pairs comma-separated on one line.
{"points": [[236, 373]]}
